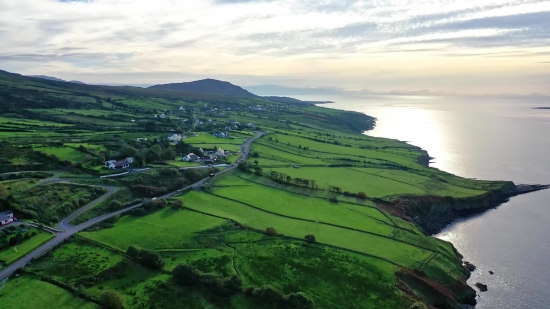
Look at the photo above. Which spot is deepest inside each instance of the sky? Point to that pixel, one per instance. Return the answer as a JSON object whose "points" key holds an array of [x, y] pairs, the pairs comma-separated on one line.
{"points": [[448, 46]]}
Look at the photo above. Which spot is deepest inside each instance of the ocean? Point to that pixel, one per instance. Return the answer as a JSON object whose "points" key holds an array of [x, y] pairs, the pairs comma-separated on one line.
{"points": [[490, 138]]}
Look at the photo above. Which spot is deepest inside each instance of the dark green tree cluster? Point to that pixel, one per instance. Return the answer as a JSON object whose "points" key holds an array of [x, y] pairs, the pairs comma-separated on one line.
{"points": [[14, 235], [148, 258], [270, 295], [188, 275], [287, 179]]}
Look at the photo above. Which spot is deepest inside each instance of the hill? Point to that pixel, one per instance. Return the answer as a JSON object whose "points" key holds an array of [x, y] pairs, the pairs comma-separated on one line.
{"points": [[56, 79], [317, 204], [208, 86]]}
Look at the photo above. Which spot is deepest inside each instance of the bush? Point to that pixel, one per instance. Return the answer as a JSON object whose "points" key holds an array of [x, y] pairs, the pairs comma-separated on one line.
{"points": [[271, 231], [147, 258], [268, 294], [138, 212], [111, 300], [299, 301], [185, 274], [333, 199], [310, 238], [362, 195], [177, 204]]}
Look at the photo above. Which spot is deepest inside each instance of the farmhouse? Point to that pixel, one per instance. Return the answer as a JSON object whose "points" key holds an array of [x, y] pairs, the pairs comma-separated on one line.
{"points": [[6, 217], [109, 162], [181, 109], [221, 134], [119, 164], [162, 116], [191, 158], [220, 153], [174, 137]]}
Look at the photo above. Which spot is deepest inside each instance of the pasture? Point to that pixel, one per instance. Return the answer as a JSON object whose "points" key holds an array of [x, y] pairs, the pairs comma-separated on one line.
{"points": [[26, 292], [12, 254], [163, 229], [63, 153]]}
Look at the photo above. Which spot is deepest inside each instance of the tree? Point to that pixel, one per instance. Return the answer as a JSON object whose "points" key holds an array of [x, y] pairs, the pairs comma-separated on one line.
{"points": [[299, 301], [288, 179], [271, 231], [169, 154], [185, 274], [310, 238], [255, 154], [333, 199], [258, 171], [242, 166], [128, 151], [177, 204], [3, 191], [256, 162], [111, 300], [133, 252], [151, 259], [362, 195]]}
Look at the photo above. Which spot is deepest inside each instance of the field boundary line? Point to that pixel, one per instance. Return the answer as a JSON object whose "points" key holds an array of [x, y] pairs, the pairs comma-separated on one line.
{"points": [[324, 223]]}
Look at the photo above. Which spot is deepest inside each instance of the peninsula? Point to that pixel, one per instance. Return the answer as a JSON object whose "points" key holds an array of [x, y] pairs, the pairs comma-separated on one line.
{"points": [[153, 198]]}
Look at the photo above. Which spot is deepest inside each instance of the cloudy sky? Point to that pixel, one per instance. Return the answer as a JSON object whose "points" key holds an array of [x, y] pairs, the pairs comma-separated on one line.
{"points": [[467, 47]]}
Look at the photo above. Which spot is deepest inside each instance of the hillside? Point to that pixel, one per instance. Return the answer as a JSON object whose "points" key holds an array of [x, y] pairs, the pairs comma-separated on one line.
{"points": [[315, 205], [208, 86], [56, 79]]}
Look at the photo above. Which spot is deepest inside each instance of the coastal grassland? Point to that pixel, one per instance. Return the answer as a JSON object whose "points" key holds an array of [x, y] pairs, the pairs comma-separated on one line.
{"points": [[370, 244], [63, 153], [362, 217], [207, 138], [233, 147], [26, 292], [32, 122], [333, 278], [19, 185], [12, 254], [163, 229], [50, 203]]}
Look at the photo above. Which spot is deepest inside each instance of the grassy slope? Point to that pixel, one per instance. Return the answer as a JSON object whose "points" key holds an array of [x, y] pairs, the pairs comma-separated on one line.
{"points": [[28, 293], [12, 254]]}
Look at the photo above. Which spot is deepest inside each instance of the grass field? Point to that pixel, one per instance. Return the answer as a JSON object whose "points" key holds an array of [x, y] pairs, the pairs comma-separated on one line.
{"points": [[19, 185], [164, 229], [12, 254], [63, 153], [29, 293], [207, 138]]}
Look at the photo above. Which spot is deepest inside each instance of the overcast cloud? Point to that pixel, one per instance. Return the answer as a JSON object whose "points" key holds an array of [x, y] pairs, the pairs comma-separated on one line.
{"points": [[469, 47]]}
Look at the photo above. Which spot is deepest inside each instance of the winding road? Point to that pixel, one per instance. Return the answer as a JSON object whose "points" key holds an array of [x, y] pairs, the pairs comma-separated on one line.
{"points": [[66, 230]]}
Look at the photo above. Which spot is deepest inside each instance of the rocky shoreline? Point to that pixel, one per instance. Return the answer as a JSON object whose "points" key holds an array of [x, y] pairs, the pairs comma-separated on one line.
{"points": [[444, 212]]}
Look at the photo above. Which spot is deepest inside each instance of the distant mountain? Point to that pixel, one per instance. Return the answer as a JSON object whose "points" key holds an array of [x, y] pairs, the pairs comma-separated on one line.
{"points": [[208, 86], [56, 79], [289, 100]]}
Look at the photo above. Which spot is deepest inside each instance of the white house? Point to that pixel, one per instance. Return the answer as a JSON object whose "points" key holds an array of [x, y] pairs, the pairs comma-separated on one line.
{"points": [[174, 137], [6, 217], [130, 160], [181, 109], [162, 116], [220, 153], [201, 150], [109, 162], [133, 120], [191, 158], [119, 164], [141, 139]]}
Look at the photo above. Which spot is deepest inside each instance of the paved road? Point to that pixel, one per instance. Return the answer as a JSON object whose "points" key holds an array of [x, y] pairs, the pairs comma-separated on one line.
{"points": [[71, 230]]}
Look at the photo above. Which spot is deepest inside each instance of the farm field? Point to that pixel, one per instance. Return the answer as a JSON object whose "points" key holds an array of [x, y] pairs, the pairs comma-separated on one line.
{"points": [[63, 153], [164, 229], [383, 248], [12, 254], [352, 180], [16, 295], [207, 138]]}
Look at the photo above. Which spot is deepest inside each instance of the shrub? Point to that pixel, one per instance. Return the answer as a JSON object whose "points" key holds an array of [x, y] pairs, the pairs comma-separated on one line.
{"points": [[333, 199], [310, 238], [271, 231], [299, 301], [138, 212], [177, 204], [362, 195], [269, 294], [111, 300], [185, 274]]}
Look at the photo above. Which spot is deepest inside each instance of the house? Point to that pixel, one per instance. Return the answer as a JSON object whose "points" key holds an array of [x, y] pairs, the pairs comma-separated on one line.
{"points": [[141, 139], [181, 109], [221, 134], [162, 116], [191, 158], [174, 137], [109, 162], [228, 129], [119, 165], [133, 120], [251, 125], [201, 150], [227, 152], [130, 160], [172, 130], [6, 217], [220, 153]]}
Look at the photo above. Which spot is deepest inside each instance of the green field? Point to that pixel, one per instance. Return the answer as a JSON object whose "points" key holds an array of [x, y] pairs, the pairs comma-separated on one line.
{"points": [[29, 293], [164, 229], [10, 255], [63, 153], [207, 138]]}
